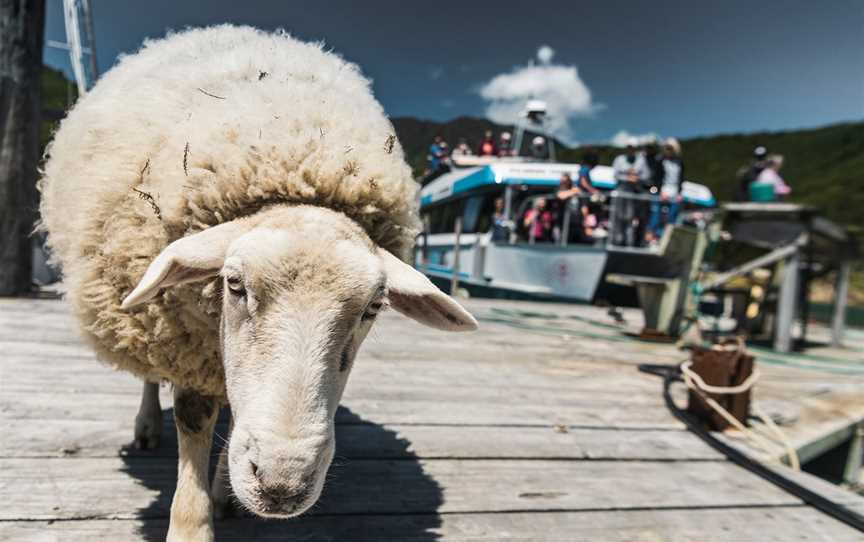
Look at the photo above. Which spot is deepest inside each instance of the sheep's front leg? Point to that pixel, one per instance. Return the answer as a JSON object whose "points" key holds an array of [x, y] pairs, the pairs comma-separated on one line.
{"points": [[191, 509], [148, 422]]}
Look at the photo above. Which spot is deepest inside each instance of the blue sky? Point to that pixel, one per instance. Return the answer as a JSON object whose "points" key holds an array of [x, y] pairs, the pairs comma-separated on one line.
{"points": [[672, 67]]}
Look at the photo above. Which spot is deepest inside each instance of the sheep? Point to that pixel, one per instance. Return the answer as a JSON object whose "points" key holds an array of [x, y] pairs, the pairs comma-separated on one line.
{"points": [[231, 211]]}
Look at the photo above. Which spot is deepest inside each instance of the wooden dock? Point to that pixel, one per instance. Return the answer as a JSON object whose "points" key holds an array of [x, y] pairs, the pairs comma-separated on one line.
{"points": [[538, 427]]}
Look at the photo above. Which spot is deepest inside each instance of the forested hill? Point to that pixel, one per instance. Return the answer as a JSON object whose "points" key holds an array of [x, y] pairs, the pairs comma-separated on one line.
{"points": [[824, 166]]}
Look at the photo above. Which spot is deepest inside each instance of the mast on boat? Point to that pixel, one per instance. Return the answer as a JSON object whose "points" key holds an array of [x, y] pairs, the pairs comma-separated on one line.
{"points": [[533, 119], [80, 41]]}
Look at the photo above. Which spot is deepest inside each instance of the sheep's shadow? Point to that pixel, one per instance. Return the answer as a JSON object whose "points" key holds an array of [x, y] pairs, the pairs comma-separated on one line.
{"points": [[376, 490]]}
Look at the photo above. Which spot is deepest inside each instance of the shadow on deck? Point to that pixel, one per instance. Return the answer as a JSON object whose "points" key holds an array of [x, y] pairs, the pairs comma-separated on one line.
{"points": [[351, 488]]}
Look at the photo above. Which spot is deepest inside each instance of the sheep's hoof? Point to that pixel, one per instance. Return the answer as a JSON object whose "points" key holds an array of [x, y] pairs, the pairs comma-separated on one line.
{"points": [[148, 430]]}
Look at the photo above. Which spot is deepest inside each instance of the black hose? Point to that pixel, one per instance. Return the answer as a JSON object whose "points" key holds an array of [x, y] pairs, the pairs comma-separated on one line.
{"points": [[670, 374]]}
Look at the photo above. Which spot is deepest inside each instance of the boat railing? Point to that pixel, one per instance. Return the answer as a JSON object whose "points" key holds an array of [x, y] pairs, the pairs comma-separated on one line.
{"points": [[620, 218]]}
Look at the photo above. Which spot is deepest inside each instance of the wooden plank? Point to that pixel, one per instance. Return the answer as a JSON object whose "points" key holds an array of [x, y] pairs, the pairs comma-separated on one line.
{"points": [[110, 438], [784, 524], [37, 489], [84, 406], [31, 372]]}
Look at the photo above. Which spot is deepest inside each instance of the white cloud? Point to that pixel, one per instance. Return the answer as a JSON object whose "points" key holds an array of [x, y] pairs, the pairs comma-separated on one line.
{"points": [[624, 138], [566, 95]]}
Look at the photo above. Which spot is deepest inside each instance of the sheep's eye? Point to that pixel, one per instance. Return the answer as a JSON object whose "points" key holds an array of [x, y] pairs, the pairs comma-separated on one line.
{"points": [[372, 310], [235, 286]]}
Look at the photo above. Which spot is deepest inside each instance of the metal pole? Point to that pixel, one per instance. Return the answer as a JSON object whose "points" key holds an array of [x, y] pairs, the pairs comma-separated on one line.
{"points": [[73, 38], [786, 302], [841, 294], [804, 288], [613, 200], [91, 38], [565, 227], [425, 250], [773, 256], [479, 258], [508, 203], [454, 281]]}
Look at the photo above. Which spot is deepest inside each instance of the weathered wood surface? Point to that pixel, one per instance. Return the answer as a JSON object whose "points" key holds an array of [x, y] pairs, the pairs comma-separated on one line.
{"points": [[774, 524], [108, 438], [56, 491], [537, 428]]}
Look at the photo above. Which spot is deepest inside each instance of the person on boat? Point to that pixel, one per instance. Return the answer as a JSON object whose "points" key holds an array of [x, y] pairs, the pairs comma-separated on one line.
{"points": [[592, 208], [654, 166], [539, 148], [567, 197], [538, 222], [462, 149], [488, 147], [630, 169], [566, 189], [501, 225], [505, 144], [665, 210], [650, 185], [771, 176], [748, 174], [438, 156], [590, 159]]}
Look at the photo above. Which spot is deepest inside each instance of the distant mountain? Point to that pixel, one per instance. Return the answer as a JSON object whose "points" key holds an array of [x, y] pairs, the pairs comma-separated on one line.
{"points": [[824, 166]]}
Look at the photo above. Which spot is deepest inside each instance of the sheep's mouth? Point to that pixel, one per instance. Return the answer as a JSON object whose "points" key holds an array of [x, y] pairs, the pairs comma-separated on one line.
{"points": [[282, 501], [264, 505]]}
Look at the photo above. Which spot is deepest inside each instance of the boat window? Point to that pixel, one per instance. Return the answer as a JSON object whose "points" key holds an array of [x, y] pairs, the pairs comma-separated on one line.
{"points": [[442, 218], [473, 207], [478, 212]]}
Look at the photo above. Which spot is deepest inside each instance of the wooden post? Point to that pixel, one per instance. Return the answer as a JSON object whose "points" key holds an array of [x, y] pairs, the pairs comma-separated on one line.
{"points": [[852, 469], [841, 294], [786, 304], [22, 27], [454, 280]]}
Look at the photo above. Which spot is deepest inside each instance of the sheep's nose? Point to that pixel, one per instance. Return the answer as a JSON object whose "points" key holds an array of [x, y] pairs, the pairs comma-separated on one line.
{"points": [[278, 494]]}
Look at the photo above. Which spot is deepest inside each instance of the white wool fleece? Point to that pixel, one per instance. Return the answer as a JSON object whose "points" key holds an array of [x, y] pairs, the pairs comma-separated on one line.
{"points": [[199, 128]]}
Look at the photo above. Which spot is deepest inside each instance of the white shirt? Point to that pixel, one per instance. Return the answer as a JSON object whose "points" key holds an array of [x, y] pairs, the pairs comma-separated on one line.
{"points": [[671, 178], [623, 167]]}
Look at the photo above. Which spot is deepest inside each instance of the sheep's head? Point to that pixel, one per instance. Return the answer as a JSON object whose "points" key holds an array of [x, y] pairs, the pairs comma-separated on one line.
{"points": [[302, 287]]}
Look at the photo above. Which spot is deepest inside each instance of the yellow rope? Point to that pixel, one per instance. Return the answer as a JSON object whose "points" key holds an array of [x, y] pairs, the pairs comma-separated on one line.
{"points": [[695, 383]]}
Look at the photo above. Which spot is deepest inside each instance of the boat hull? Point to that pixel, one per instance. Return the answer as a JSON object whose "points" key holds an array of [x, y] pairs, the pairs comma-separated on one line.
{"points": [[519, 271]]}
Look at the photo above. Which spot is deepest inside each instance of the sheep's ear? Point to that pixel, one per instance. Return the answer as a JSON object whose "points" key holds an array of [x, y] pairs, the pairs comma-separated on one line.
{"points": [[412, 294], [189, 259]]}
